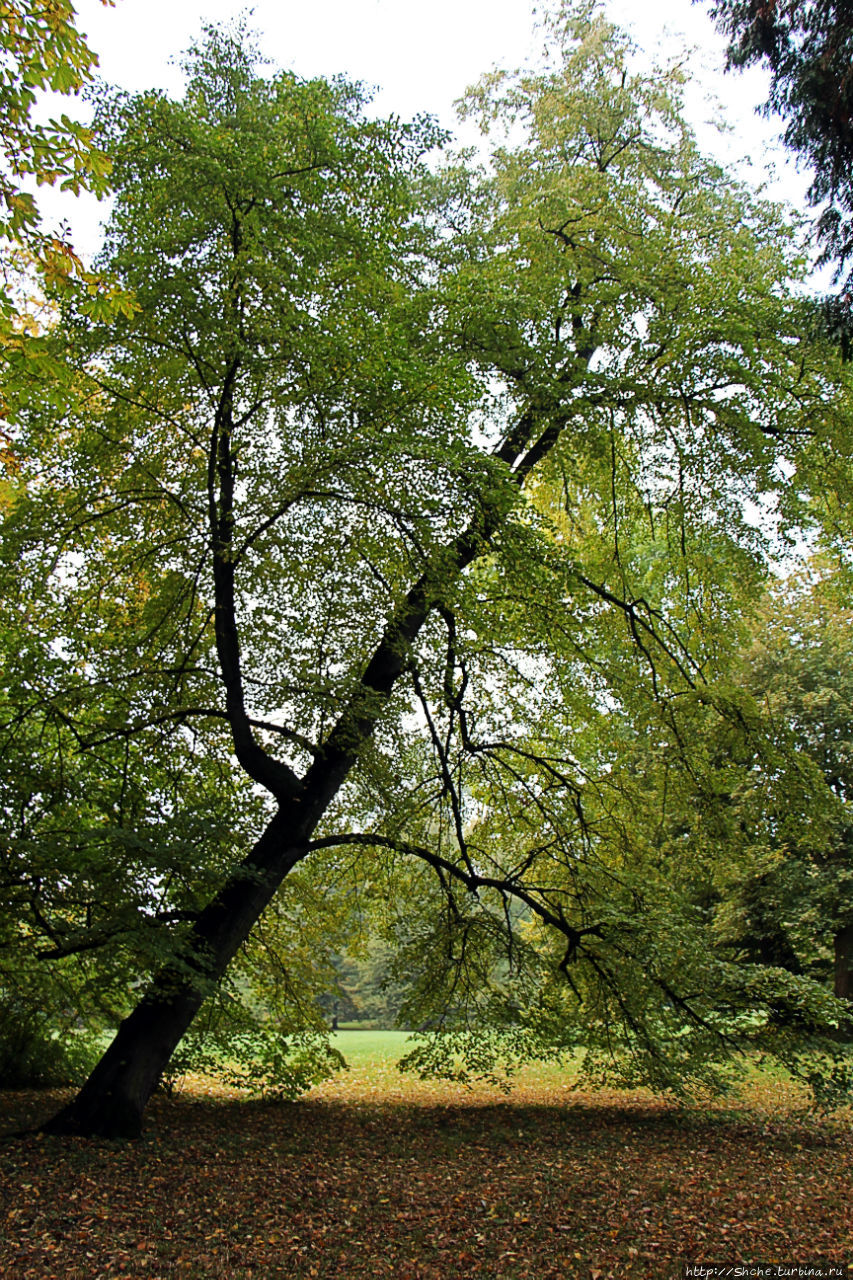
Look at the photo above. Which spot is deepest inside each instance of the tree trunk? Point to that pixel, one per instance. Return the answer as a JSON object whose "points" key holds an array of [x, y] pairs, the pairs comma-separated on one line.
{"points": [[112, 1101], [844, 963]]}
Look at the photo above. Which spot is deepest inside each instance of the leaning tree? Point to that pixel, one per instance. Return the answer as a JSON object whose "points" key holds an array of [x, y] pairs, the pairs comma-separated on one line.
{"points": [[407, 501]]}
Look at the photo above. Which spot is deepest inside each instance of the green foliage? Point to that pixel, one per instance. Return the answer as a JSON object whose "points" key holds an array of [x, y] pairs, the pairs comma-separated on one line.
{"points": [[397, 548], [365, 990], [260, 1062], [489, 1055], [40, 1044], [788, 900], [41, 50], [807, 48]]}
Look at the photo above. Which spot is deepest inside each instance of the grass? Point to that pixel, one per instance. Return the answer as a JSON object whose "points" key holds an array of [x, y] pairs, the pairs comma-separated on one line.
{"points": [[371, 1050], [372, 1058], [377, 1175]]}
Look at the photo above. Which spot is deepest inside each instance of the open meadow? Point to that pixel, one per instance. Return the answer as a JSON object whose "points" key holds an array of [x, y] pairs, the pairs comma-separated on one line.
{"points": [[376, 1174]]}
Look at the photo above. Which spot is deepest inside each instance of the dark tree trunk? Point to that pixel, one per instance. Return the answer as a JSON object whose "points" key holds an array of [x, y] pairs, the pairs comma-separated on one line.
{"points": [[844, 963], [112, 1101]]}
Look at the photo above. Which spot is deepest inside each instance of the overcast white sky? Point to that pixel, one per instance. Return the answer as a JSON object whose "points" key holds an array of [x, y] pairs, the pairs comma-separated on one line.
{"points": [[420, 56]]}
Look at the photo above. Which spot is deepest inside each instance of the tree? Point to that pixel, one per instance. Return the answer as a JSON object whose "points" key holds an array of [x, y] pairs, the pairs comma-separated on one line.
{"points": [[394, 494], [41, 49], [799, 663], [808, 46], [763, 811]]}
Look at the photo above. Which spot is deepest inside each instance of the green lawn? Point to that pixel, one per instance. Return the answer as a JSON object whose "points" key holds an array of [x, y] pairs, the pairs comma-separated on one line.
{"points": [[377, 1053], [365, 1049]]}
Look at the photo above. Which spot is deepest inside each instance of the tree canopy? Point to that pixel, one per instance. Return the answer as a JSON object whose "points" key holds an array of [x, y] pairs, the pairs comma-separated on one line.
{"points": [[807, 45], [384, 561], [42, 50], [799, 665]]}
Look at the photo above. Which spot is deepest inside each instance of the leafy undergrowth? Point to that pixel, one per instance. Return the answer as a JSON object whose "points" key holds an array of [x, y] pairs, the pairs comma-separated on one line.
{"points": [[374, 1176]]}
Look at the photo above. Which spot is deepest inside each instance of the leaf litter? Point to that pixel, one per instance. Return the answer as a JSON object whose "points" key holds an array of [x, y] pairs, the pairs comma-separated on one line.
{"points": [[425, 1182]]}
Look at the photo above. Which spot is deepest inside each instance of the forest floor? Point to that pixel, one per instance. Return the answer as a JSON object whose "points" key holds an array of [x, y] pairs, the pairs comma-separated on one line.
{"points": [[377, 1175]]}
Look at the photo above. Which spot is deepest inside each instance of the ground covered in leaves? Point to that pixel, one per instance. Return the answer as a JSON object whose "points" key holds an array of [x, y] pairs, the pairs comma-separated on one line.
{"points": [[372, 1176]]}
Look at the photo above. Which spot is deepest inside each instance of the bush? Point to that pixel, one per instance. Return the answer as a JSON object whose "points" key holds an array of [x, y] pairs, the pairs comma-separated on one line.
{"points": [[37, 1052], [261, 1061]]}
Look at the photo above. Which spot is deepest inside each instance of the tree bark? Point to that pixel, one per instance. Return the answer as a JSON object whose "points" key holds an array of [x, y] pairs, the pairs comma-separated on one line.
{"points": [[112, 1101], [844, 963]]}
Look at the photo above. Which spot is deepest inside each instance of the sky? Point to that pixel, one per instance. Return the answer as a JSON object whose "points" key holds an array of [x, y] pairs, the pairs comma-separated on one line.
{"points": [[420, 57]]}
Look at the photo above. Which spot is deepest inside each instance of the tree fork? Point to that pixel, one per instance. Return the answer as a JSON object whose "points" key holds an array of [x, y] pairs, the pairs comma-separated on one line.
{"points": [[113, 1099]]}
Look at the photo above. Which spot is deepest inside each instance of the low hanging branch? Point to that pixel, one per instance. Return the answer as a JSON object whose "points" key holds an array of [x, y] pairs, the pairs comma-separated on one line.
{"points": [[471, 879]]}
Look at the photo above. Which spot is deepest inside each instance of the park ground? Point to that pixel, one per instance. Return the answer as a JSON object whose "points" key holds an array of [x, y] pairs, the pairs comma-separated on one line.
{"points": [[378, 1175]]}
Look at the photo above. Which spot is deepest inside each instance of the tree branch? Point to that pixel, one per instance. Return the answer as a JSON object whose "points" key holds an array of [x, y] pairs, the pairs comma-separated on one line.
{"points": [[472, 880], [276, 777]]}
